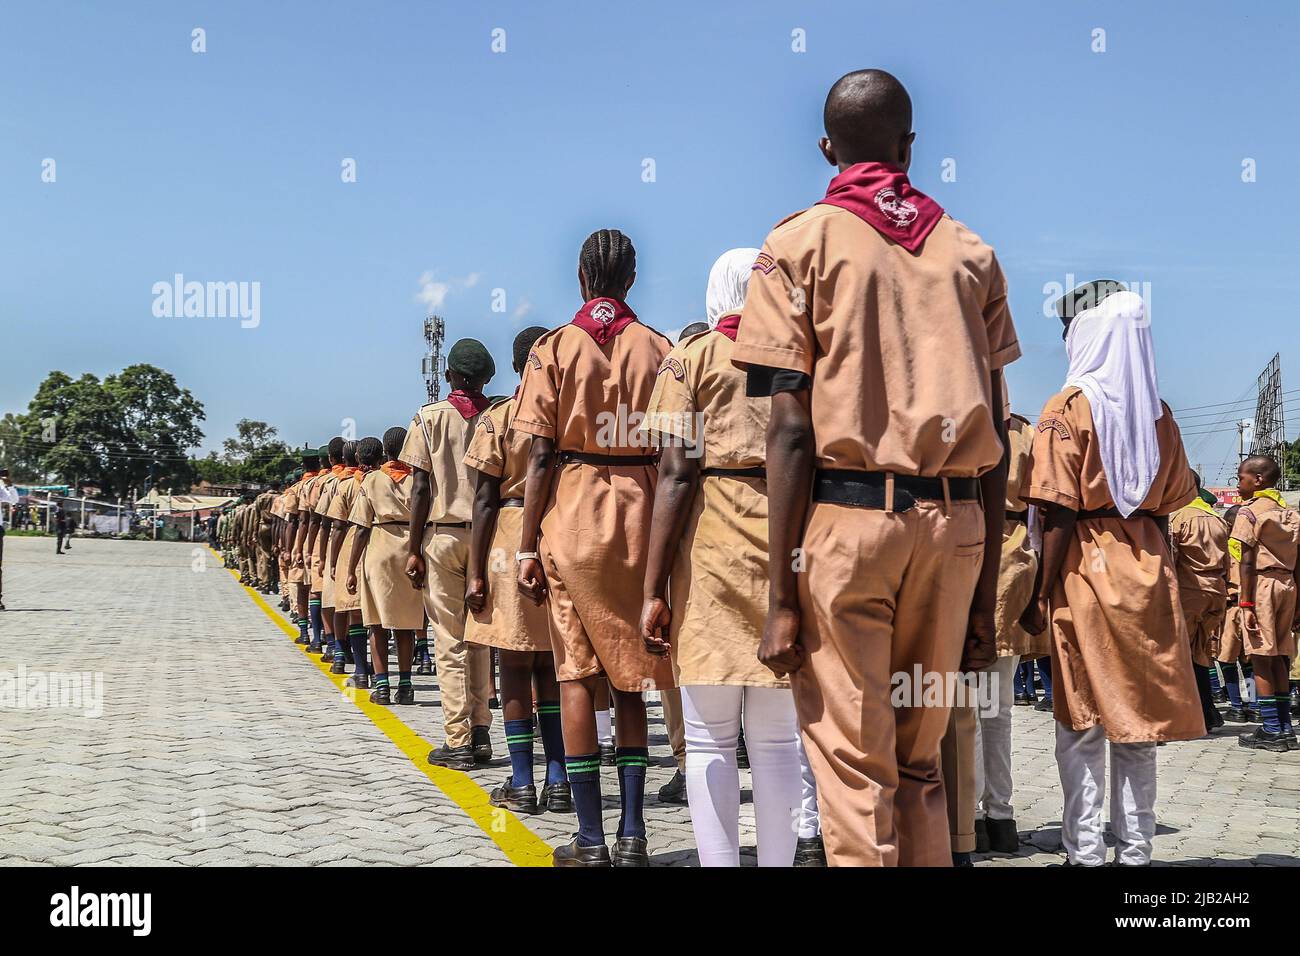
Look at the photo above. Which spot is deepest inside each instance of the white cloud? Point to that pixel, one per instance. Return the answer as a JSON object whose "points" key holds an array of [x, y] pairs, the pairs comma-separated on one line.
{"points": [[523, 308], [433, 293]]}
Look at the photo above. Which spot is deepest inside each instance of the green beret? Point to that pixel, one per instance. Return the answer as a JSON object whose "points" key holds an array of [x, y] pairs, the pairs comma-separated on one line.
{"points": [[324, 453], [1087, 296], [470, 358]]}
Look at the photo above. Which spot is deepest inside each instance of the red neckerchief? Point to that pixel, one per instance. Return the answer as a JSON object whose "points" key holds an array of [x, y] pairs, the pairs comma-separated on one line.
{"points": [[468, 405], [729, 325], [603, 319], [396, 470], [881, 196]]}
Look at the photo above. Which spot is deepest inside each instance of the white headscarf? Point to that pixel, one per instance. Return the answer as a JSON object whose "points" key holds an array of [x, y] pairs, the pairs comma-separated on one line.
{"points": [[728, 280], [1112, 361]]}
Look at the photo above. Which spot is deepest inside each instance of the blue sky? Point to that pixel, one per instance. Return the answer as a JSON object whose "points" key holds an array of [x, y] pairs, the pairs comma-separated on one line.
{"points": [[480, 171]]}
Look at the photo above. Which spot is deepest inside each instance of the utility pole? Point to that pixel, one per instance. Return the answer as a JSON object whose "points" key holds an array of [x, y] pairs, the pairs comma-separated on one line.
{"points": [[435, 331], [1242, 427]]}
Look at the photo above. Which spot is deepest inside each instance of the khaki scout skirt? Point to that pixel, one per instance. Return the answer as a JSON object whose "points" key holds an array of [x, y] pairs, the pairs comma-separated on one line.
{"points": [[343, 601], [387, 598], [509, 621]]}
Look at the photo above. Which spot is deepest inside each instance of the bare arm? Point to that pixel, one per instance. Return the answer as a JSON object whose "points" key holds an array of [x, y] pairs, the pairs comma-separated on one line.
{"points": [[1058, 530], [537, 488], [981, 637], [354, 559], [674, 492], [421, 499], [487, 502]]}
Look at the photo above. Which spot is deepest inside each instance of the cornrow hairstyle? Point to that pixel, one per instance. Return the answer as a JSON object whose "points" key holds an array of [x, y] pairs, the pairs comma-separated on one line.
{"points": [[394, 439], [607, 261], [350, 454], [370, 452], [336, 448], [524, 343]]}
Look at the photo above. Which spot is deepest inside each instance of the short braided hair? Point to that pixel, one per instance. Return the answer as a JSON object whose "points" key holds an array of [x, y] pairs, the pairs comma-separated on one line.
{"points": [[370, 452], [607, 261]]}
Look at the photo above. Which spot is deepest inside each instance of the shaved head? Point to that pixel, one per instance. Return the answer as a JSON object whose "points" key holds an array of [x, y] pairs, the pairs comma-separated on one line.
{"points": [[868, 118], [1265, 466]]}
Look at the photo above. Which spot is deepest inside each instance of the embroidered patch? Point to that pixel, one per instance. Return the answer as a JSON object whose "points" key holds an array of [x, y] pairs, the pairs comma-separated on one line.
{"points": [[900, 211], [674, 366], [486, 424], [603, 313], [1056, 425], [534, 360], [764, 263]]}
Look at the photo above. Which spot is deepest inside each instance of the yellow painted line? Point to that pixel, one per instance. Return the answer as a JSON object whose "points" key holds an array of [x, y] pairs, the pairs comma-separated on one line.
{"points": [[521, 845]]}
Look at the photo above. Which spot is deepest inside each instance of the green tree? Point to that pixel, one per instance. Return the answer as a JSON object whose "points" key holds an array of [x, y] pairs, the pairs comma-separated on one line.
{"points": [[255, 453]]}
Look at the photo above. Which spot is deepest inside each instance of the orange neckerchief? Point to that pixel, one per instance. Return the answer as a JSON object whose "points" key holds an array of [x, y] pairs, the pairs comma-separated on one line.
{"points": [[337, 469], [396, 470], [348, 472], [309, 475]]}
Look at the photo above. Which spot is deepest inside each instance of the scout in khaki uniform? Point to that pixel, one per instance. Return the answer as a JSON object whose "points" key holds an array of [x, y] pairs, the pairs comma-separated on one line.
{"points": [[1230, 649], [317, 543], [347, 607], [589, 493], [995, 825], [308, 498], [501, 617], [1108, 468], [295, 576], [1200, 545], [880, 327], [438, 550], [377, 564], [710, 534], [267, 569], [1268, 533]]}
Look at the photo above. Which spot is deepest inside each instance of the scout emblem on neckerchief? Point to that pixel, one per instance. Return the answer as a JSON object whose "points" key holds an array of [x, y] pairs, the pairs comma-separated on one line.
{"points": [[883, 197], [604, 318]]}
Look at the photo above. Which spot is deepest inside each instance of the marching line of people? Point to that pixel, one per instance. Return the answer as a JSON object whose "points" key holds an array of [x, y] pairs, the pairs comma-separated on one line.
{"points": [[779, 520]]}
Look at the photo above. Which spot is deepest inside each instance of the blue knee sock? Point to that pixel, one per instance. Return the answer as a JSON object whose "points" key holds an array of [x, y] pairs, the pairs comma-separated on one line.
{"points": [[632, 763], [1268, 713], [313, 611], [548, 720], [1215, 687], [357, 638], [1283, 702], [584, 779], [1231, 684], [519, 741], [1045, 671], [302, 627]]}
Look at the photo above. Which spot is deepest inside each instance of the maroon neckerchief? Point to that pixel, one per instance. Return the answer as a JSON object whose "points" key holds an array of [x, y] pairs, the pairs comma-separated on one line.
{"points": [[881, 196], [729, 325], [604, 318], [468, 405]]}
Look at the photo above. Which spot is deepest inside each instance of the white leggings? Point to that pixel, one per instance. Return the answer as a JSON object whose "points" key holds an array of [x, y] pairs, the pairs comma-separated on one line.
{"points": [[712, 716]]}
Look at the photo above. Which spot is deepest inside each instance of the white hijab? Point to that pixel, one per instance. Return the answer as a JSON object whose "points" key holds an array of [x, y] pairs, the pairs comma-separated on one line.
{"points": [[1112, 361], [728, 280]]}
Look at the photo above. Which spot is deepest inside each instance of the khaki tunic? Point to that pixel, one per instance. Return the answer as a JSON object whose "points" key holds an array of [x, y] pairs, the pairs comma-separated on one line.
{"points": [[719, 582], [383, 590], [596, 526], [294, 574], [1200, 544], [435, 442], [1121, 656], [1019, 560], [508, 620], [1274, 533], [340, 506], [308, 498], [319, 579]]}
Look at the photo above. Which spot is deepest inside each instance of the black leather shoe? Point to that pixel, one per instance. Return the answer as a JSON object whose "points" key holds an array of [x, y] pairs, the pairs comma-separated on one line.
{"points": [[339, 666], [1237, 715], [301, 639], [961, 860], [515, 799], [313, 648], [1295, 697], [742, 755], [1003, 836], [556, 797], [481, 742], [630, 851], [571, 854], [453, 758], [1213, 720], [608, 755], [381, 695], [810, 851], [1044, 704], [674, 791], [1025, 700], [981, 837], [1261, 739], [1221, 697], [424, 668], [405, 695], [328, 656], [358, 681]]}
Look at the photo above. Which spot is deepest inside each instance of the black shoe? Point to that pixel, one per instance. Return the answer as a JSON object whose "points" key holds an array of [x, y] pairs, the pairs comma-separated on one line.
{"points": [[630, 851], [313, 648], [339, 666], [405, 695], [981, 837], [302, 639], [1003, 836], [572, 854], [381, 695], [608, 755], [1237, 715], [515, 799], [358, 681], [494, 704], [556, 797], [674, 791], [454, 758], [1213, 720], [1044, 704], [1025, 700], [481, 742], [810, 851], [1291, 741], [962, 859], [1221, 697], [1261, 739], [742, 755], [424, 668], [1295, 692], [328, 656]]}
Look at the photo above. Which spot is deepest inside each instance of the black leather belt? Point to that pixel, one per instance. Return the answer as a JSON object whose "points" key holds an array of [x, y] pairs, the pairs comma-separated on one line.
{"points": [[759, 471], [866, 489], [1111, 512], [402, 523], [512, 502], [447, 524], [591, 458], [1019, 517]]}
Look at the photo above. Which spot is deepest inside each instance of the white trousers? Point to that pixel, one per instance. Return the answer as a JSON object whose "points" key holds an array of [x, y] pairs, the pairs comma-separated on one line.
{"points": [[1081, 760], [712, 715], [993, 746], [810, 824]]}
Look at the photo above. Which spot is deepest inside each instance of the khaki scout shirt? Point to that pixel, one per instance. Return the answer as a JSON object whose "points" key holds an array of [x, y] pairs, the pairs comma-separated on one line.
{"points": [[498, 451], [1273, 530], [436, 443], [899, 346], [1200, 541]]}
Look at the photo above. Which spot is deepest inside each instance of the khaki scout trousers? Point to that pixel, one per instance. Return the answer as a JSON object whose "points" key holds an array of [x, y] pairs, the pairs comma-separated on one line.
{"points": [[957, 760], [882, 593], [461, 666]]}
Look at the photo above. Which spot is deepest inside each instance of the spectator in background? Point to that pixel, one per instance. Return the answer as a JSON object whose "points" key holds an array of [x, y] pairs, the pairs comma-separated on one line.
{"points": [[8, 496]]}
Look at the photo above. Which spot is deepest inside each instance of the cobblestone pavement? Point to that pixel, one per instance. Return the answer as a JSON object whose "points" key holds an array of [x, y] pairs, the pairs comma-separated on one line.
{"points": [[220, 742]]}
